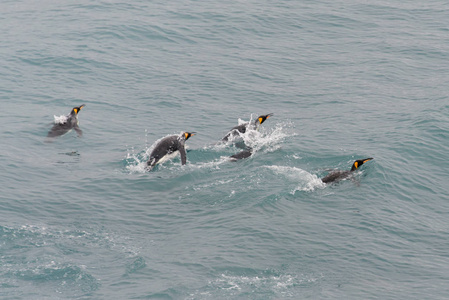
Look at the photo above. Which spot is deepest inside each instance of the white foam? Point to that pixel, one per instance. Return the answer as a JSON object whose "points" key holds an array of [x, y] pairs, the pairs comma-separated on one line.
{"points": [[215, 164], [234, 286], [277, 283], [263, 139], [62, 119], [267, 140], [215, 183], [137, 167], [305, 180], [241, 122]]}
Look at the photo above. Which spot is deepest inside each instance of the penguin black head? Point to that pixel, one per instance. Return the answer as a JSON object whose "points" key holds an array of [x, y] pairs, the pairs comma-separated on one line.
{"points": [[262, 118], [360, 162], [76, 110], [188, 134]]}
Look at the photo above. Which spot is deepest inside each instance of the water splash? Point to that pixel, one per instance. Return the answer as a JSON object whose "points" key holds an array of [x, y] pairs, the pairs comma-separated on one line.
{"points": [[265, 140], [62, 119], [240, 286], [305, 181], [137, 162], [214, 164], [268, 140]]}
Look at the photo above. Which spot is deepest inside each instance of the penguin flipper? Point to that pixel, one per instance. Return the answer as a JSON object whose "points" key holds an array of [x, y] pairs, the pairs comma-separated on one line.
{"points": [[78, 131], [182, 152], [151, 163]]}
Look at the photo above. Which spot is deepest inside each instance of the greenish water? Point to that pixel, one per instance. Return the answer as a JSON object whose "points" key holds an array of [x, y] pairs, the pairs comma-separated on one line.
{"points": [[81, 219]]}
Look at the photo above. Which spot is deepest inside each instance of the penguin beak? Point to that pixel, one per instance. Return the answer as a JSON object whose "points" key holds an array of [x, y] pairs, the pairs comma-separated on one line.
{"points": [[368, 159], [267, 116], [263, 118], [77, 109]]}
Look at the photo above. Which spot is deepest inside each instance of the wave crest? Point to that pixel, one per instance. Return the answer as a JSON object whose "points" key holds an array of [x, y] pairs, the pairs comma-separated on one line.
{"points": [[305, 181]]}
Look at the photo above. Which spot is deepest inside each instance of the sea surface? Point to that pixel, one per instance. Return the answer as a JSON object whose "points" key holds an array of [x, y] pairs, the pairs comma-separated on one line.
{"points": [[81, 217]]}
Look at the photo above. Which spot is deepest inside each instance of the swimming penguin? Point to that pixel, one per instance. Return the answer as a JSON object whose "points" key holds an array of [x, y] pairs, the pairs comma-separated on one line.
{"points": [[167, 146], [68, 123], [338, 175], [243, 154], [247, 125]]}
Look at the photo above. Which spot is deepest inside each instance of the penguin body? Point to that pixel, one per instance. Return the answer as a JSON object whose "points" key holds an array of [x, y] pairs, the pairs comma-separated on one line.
{"points": [[169, 147], [243, 154], [338, 175], [335, 176], [235, 131], [68, 123], [242, 128]]}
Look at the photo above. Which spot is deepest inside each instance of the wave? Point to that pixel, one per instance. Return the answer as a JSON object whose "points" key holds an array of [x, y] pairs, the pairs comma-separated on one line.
{"points": [[63, 276], [50, 269], [236, 286], [303, 180]]}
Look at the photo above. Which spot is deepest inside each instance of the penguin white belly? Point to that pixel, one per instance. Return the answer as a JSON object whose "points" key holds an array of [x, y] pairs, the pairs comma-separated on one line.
{"points": [[168, 157]]}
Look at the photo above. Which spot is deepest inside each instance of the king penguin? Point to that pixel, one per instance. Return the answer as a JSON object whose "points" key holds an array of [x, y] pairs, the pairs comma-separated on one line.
{"points": [[70, 122], [167, 146], [245, 126], [338, 175]]}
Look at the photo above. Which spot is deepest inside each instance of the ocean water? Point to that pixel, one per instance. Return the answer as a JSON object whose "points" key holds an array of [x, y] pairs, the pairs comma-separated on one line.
{"points": [[80, 218]]}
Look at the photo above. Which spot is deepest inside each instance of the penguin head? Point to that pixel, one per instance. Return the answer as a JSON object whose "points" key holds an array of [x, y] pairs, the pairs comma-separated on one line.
{"points": [[262, 119], [360, 162], [188, 134], [76, 110]]}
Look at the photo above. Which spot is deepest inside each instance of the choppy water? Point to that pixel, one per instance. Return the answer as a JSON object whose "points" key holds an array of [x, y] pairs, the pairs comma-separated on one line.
{"points": [[81, 219]]}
